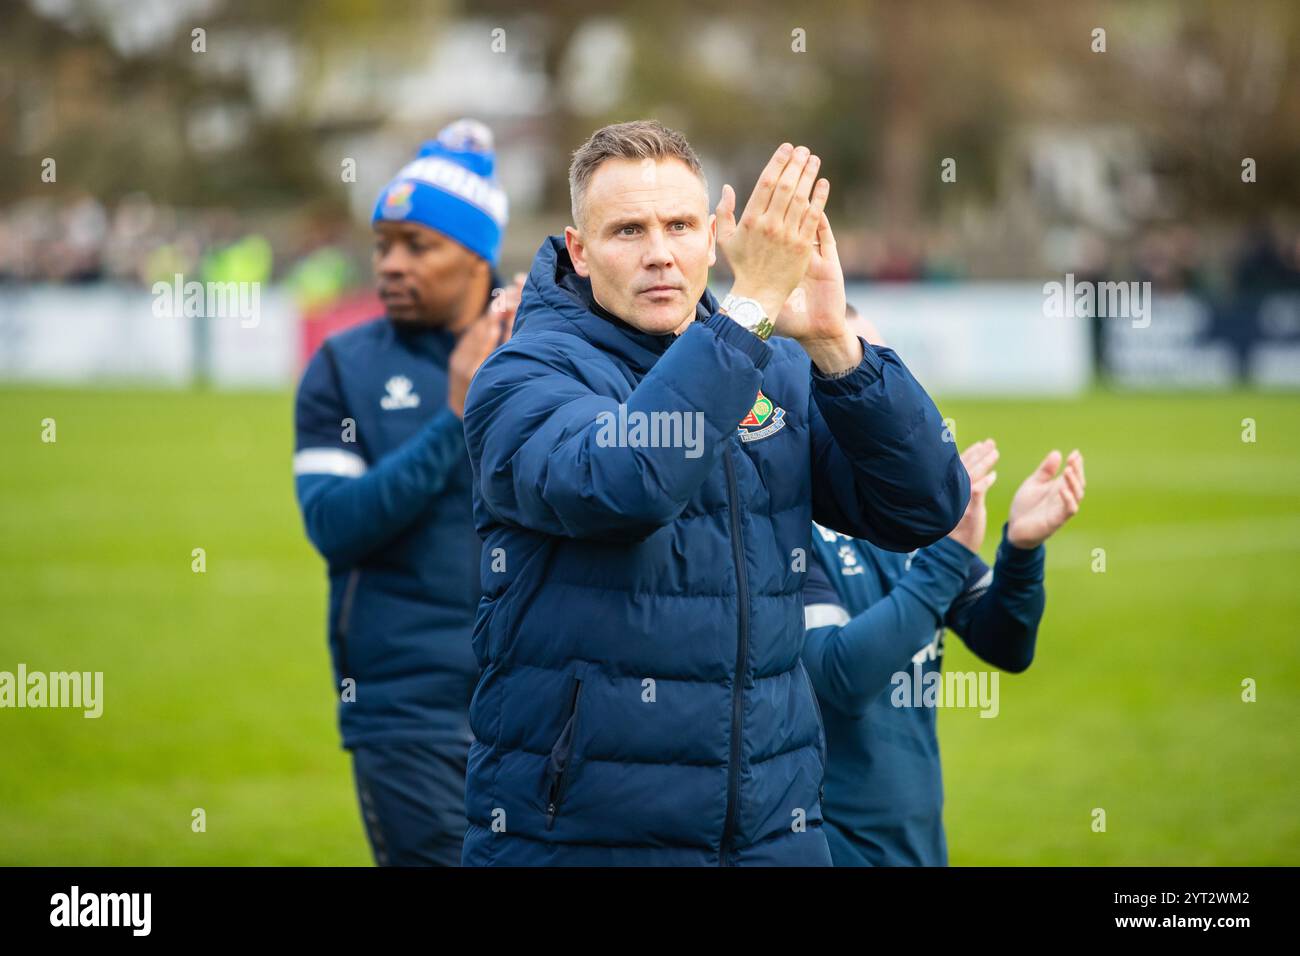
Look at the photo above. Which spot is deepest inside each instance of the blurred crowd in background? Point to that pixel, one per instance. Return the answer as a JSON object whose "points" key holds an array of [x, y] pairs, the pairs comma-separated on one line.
{"points": [[322, 257], [138, 241]]}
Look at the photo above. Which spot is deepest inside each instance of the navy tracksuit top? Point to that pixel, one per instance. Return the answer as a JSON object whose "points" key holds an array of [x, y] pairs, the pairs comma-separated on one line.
{"points": [[383, 484], [876, 620]]}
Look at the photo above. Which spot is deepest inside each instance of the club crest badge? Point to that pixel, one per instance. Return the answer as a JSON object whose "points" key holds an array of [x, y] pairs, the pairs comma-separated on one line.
{"points": [[764, 419], [397, 203]]}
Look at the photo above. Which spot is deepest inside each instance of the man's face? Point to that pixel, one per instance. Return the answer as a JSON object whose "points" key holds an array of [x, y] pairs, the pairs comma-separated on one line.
{"points": [[646, 242], [423, 276]]}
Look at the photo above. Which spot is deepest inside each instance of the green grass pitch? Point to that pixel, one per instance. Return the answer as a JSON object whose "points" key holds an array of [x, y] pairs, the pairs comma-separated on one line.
{"points": [[217, 685]]}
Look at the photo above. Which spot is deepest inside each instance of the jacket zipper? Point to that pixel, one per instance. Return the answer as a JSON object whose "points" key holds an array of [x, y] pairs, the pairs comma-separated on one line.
{"points": [[345, 618], [742, 651], [555, 794]]}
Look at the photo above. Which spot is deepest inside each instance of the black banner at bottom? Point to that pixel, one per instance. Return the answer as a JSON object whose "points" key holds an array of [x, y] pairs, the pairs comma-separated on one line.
{"points": [[210, 905]]}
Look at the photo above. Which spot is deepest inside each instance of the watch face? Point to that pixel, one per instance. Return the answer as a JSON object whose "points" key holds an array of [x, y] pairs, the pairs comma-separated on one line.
{"points": [[747, 313], [750, 315]]}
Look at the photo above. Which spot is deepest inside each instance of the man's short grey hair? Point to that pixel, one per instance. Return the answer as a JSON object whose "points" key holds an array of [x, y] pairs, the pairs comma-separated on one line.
{"points": [[639, 139]]}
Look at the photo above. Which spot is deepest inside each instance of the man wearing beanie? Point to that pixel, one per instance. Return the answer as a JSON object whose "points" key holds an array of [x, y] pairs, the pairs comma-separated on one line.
{"points": [[383, 483]]}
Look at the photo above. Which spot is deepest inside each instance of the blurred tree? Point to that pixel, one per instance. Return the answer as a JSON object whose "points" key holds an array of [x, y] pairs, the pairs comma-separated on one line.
{"points": [[884, 90]]}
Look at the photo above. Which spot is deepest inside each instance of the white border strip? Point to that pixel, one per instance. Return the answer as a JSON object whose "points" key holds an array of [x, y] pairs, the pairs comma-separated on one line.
{"points": [[824, 615], [329, 461]]}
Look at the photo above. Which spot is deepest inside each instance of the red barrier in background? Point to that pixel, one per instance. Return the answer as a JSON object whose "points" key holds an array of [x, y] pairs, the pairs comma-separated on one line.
{"points": [[341, 314]]}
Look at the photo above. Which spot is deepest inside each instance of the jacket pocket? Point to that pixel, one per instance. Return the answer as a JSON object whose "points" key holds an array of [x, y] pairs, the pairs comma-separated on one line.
{"points": [[821, 720], [345, 619], [559, 766]]}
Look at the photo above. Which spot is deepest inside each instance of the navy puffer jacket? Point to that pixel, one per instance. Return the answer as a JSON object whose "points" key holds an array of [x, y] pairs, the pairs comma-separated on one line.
{"points": [[642, 699]]}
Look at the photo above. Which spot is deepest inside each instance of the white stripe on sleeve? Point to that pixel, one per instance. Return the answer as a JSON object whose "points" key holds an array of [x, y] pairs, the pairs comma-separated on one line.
{"points": [[974, 592], [824, 615], [329, 461]]}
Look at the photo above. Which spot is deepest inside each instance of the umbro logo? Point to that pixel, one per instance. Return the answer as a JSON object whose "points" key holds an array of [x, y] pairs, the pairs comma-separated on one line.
{"points": [[399, 394], [849, 563]]}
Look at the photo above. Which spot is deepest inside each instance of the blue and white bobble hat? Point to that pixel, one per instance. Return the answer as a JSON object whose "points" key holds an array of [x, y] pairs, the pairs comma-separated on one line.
{"points": [[450, 187]]}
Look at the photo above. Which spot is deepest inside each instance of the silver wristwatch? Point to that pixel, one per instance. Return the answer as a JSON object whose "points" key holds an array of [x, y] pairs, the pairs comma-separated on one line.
{"points": [[748, 314]]}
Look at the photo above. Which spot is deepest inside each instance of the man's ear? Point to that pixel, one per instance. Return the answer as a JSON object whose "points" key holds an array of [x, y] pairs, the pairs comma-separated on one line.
{"points": [[577, 251], [713, 238]]}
